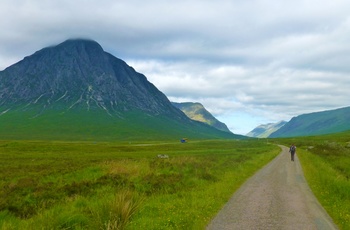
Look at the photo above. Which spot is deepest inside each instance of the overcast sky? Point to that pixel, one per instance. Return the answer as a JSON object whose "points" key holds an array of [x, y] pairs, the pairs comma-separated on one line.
{"points": [[249, 62]]}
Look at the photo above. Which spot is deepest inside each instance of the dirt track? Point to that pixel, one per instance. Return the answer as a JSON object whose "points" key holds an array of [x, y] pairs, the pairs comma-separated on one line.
{"points": [[277, 197]]}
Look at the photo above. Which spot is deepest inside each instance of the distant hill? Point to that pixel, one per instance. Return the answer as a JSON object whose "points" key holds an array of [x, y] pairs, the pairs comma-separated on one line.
{"points": [[197, 112], [77, 91], [263, 131], [331, 121]]}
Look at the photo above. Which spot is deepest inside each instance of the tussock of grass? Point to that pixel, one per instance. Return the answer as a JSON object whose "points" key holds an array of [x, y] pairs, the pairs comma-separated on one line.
{"points": [[114, 212]]}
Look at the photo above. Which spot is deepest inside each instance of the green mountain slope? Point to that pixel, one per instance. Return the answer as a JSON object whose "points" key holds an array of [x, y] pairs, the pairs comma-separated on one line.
{"points": [[318, 123], [265, 130], [197, 112], [99, 126]]}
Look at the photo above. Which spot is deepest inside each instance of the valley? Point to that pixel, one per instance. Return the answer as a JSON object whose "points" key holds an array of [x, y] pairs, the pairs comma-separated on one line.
{"points": [[65, 183], [81, 133]]}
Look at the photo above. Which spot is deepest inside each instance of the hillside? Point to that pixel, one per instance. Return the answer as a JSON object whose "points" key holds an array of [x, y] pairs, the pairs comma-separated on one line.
{"points": [[76, 90], [265, 130], [197, 112], [331, 121]]}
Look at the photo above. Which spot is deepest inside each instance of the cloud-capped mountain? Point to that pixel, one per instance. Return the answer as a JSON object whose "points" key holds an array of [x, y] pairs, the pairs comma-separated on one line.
{"points": [[331, 121], [263, 131], [197, 112], [78, 90]]}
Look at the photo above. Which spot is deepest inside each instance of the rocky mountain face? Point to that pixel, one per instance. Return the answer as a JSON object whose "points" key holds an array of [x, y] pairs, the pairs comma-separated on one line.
{"points": [[263, 131], [76, 90], [325, 122], [80, 74], [197, 112]]}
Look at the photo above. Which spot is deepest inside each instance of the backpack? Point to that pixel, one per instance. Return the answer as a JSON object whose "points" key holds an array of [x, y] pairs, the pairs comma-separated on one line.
{"points": [[292, 149]]}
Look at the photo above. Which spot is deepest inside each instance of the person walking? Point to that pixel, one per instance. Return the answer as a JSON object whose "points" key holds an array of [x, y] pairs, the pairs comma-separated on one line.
{"points": [[292, 150]]}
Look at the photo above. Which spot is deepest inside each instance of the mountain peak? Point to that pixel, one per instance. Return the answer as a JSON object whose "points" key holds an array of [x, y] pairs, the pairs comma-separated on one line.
{"points": [[264, 130], [80, 44], [197, 112], [79, 41], [84, 49], [78, 73]]}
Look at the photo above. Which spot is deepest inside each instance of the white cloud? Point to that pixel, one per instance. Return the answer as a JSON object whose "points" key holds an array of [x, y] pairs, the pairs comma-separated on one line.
{"points": [[258, 60]]}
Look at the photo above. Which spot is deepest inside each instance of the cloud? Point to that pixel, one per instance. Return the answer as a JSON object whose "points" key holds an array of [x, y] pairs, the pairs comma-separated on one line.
{"points": [[252, 61], [282, 90]]}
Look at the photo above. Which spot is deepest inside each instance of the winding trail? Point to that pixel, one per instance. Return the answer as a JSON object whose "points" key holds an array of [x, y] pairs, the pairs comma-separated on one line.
{"points": [[276, 197]]}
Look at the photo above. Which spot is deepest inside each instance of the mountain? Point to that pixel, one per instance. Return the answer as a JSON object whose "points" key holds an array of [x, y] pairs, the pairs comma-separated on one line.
{"points": [[331, 121], [76, 90], [263, 131], [197, 112]]}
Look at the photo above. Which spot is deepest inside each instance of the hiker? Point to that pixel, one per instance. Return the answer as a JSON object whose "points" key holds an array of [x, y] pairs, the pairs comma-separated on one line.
{"points": [[292, 150]]}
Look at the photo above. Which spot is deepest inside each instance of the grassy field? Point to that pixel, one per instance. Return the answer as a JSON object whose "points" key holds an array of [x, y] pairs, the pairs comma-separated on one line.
{"points": [[107, 185], [326, 164], [80, 125]]}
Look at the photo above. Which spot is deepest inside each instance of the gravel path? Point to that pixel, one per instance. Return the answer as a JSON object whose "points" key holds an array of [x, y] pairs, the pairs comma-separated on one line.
{"points": [[277, 197]]}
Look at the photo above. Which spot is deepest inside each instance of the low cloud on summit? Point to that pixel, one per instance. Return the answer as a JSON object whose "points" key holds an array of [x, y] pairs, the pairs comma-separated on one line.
{"points": [[247, 62]]}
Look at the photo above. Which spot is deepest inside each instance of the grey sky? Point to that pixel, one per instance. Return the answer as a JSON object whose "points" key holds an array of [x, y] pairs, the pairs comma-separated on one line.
{"points": [[248, 61]]}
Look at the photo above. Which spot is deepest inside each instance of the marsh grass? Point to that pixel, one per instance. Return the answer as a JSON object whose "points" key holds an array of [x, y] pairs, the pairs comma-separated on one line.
{"points": [[82, 185], [112, 213], [193, 207]]}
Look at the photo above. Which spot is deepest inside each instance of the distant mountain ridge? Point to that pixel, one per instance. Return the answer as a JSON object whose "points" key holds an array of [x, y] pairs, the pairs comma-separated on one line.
{"points": [[317, 123], [196, 111], [76, 90], [265, 130]]}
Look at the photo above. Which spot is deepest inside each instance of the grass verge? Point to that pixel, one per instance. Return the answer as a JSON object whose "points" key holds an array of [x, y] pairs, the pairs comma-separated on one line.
{"points": [[326, 164], [330, 186]]}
